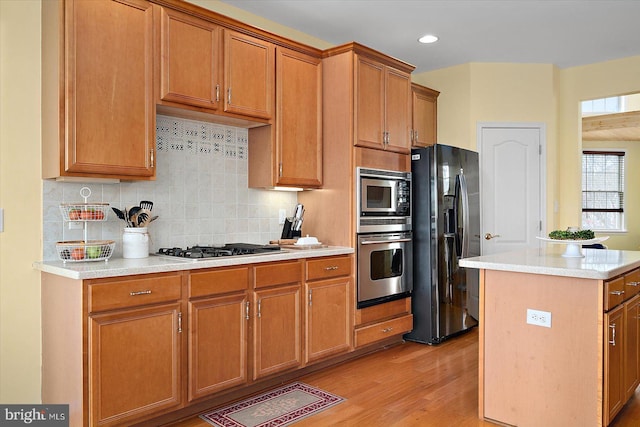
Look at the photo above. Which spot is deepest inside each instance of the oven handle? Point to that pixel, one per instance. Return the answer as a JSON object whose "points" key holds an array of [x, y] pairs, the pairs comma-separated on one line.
{"points": [[377, 242]]}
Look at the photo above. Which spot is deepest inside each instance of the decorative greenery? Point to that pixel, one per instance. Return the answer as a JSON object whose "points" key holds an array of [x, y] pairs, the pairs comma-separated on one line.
{"points": [[572, 235]]}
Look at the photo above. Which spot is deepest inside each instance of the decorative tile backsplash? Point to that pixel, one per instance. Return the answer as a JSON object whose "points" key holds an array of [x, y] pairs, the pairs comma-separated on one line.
{"points": [[200, 194]]}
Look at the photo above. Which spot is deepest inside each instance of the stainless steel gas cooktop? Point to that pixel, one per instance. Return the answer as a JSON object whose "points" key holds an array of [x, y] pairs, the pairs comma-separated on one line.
{"points": [[230, 249]]}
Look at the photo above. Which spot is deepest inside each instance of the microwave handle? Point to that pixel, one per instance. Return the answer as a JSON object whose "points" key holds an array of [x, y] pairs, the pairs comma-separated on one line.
{"points": [[377, 242]]}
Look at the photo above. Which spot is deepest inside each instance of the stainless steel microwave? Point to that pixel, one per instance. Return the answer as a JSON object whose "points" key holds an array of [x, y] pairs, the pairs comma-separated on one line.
{"points": [[383, 200]]}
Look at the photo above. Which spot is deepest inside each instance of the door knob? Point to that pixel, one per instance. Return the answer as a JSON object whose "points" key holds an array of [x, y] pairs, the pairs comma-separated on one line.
{"points": [[489, 236]]}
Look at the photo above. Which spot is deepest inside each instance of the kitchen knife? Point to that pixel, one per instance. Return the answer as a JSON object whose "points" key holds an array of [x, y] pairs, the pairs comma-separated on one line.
{"points": [[299, 218]]}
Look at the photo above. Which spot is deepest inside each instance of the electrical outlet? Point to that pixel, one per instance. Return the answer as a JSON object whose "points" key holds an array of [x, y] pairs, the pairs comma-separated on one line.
{"points": [[539, 318], [282, 214]]}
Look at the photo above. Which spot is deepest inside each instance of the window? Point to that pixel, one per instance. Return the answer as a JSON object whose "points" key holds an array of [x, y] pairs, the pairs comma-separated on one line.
{"points": [[614, 104], [603, 190]]}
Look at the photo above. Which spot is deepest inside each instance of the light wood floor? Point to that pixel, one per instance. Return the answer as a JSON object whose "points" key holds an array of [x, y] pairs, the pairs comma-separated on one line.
{"points": [[411, 385]]}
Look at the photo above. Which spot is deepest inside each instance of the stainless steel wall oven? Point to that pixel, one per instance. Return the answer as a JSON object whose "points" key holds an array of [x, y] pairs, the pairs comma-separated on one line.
{"points": [[385, 267]]}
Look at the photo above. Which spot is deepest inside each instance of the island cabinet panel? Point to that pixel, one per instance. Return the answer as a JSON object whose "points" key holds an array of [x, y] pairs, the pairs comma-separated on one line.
{"points": [[190, 60], [614, 364], [631, 346], [538, 376], [622, 341], [98, 103]]}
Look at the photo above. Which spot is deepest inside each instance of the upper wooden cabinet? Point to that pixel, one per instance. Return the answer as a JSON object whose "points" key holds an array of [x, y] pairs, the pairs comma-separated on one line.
{"points": [[203, 65], [248, 75], [383, 105], [190, 55], [98, 115], [424, 102], [289, 153]]}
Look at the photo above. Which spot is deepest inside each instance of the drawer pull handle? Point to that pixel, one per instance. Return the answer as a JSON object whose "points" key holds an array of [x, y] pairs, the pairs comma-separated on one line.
{"points": [[633, 283], [385, 330], [617, 292], [180, 322], [136, 293], [613, 328], [332, 267]]}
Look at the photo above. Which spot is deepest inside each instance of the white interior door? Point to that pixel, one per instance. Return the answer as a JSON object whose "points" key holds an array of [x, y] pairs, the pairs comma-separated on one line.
{"points": [[511, 186]]}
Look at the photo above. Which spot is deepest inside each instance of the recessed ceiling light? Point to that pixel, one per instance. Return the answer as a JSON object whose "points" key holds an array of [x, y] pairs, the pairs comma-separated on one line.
{"points": [[428, 38]]}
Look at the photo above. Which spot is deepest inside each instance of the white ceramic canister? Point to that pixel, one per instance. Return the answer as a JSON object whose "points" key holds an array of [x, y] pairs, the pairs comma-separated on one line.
{"points": [[135, 242]]}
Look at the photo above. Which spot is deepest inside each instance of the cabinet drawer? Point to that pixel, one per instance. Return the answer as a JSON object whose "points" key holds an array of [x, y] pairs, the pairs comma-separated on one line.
{"points": [[614, 293], [218, 281], [379, 331], [632, 284], [278, 274], [128, 292], [325, 268]]}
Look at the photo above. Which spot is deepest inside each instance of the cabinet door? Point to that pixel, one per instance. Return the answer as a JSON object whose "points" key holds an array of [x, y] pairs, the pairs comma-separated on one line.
{"points": [[217, 344], [424, 116], [110, 114], [277, 330], [369, 108], [613, 363], [398, 110], [299, 119], [249, 79], [631, 342], [328, 318], [134, 359], [190, 56]]}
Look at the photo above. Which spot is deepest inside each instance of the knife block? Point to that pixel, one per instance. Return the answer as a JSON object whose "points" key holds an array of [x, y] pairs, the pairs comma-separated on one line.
{"points": [[287, 232]]}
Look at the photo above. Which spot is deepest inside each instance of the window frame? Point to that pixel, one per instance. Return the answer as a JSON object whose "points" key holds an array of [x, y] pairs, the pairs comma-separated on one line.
{"points": [[621, 174]]}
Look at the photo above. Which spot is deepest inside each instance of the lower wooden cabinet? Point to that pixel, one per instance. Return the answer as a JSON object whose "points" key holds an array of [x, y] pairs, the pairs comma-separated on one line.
{"points": [[383, 321], [328, 293], [135, 363], [277, 330], [134, 347], [277, 317], [614, 364], [217, 344], [622, 344], [125, 350], [631, 373]]}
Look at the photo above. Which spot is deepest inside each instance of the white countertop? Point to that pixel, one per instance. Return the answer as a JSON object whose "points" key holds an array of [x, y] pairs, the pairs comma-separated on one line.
{"points": [[159, 264], [596, 263]]}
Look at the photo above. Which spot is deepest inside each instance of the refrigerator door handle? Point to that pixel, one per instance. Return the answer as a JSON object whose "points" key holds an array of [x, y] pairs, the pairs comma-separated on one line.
{"points": [[465, 215]]}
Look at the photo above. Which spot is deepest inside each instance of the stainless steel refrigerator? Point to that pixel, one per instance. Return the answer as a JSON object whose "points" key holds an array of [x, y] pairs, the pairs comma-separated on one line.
{"points": [[446, 228]]}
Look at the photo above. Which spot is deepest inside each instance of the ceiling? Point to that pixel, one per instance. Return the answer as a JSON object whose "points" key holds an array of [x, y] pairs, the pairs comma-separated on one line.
{"points": [[561, 32]]}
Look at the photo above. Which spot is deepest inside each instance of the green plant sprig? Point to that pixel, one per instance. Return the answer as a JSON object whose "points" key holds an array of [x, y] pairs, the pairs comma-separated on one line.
{"points": [[572, 235]]}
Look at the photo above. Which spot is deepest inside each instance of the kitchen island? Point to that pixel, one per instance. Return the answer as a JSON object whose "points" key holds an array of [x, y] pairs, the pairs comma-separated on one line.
{"points": [[558, 336]]}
